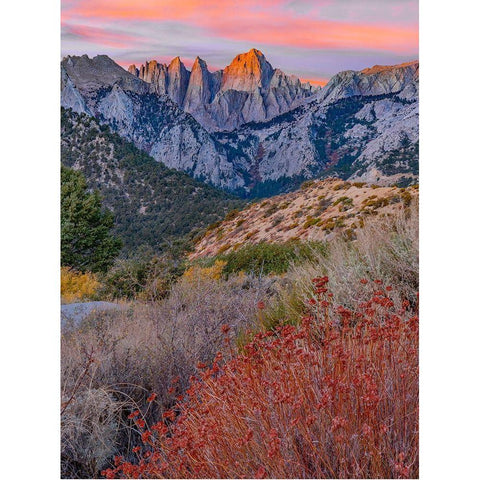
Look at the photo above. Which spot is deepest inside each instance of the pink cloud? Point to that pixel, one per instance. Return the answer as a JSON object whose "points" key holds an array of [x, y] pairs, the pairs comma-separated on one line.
{"points": [[100, 35], [267, 22], [162, 10], [311, 33]]}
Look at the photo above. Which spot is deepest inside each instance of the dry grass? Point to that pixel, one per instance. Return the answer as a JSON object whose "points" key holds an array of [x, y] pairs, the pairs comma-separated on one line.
{"points": [[90, 431], [386, 249], [115, 360]]}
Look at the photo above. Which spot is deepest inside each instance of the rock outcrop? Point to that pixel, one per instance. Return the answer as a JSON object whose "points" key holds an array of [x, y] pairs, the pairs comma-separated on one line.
{"points": [[178, 77], [249, 89], [201, 87]]}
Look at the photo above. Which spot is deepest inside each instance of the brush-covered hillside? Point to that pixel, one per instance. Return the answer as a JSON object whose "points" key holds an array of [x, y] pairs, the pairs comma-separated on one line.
{"points": [[316, 212], [153, 205]]}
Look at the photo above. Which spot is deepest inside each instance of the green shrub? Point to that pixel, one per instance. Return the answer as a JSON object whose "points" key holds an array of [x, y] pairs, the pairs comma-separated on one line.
{"points": [[266, 258], [339, 186], [407, 198], [213, 226], [271, 210], [231, 214], [291, 226], [251, 234], [277, 220], [140, 278], [310, 222], [307, 184]]}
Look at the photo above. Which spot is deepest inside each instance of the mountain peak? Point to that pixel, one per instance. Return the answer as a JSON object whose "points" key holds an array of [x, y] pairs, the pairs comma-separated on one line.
{"points": [[178, 77], [176, 64], [253, 55], [376, 80], [199, 64], [133, 70], [247, 72], [90, 73], [254, 51], [199, 90]]}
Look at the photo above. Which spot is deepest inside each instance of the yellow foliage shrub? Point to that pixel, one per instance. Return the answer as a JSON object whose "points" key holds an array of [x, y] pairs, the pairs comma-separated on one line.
{"points": [[196, 272], [76, 286]]}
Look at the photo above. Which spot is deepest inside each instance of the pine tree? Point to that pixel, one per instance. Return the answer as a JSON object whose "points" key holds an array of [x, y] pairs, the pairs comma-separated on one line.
{"points": [[86, 240]]}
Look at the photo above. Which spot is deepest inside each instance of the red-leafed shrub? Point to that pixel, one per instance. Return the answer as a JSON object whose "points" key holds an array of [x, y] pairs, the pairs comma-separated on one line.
{"points": [[335, 397]]}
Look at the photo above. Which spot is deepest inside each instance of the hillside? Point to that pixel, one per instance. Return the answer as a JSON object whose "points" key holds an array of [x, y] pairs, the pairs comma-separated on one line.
{"points": [[153, 205], [318, 211]]}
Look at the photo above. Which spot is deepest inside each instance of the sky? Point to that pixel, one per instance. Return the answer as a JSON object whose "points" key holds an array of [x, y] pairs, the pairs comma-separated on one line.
{"points": [[313, 39]]}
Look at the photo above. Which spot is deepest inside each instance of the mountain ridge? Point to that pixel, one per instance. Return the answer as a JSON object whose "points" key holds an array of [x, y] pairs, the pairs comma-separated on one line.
{"points": [[360, 125], [248, 89]]}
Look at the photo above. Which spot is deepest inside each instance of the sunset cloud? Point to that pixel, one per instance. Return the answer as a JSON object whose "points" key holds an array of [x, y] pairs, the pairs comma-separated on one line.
{"points": [[309, 32], [99, 36]]}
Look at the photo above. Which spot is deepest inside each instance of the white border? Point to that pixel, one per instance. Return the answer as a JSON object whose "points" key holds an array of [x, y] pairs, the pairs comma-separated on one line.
{"points": [[450, 196], [449, 246], [30, 233]]}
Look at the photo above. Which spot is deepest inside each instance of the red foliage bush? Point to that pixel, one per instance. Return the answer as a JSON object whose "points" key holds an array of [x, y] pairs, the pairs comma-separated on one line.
{"points": [[336, 397]]}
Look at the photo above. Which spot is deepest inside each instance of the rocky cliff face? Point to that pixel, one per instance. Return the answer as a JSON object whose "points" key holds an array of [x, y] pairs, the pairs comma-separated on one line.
{"points": [[201, 87], [361, 125], [178, 77], [153, 122], [247, 90], [377, 80]]}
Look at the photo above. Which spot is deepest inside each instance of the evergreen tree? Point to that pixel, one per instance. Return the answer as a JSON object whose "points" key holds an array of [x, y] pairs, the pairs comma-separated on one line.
{"points": [[86, 241]]}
